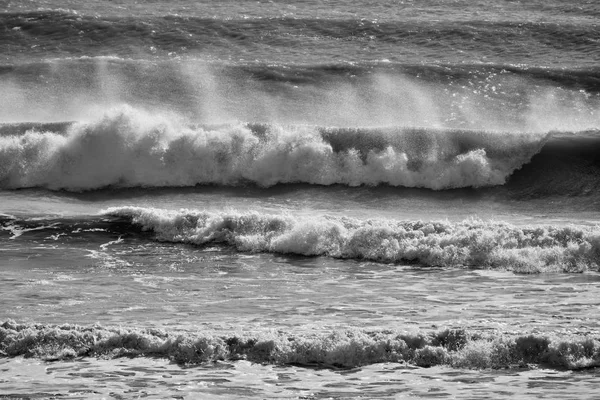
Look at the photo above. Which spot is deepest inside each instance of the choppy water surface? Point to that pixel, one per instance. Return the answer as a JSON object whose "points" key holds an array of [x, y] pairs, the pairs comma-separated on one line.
{"points": [[213, 289], [216, 292], [299, 199], [156, 379]]}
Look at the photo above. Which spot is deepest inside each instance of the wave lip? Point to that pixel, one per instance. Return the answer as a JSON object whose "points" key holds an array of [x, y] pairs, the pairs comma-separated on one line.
{"points": [[129, 148], [471, 243], [457, 348]]}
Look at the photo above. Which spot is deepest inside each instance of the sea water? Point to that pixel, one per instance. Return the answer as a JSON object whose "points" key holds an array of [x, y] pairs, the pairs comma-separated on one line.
{"points": [[308, 199]]}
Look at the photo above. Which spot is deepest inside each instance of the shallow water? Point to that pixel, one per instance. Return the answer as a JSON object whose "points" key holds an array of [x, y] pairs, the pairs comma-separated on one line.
{"points": [[155, 379], [164, 285]]}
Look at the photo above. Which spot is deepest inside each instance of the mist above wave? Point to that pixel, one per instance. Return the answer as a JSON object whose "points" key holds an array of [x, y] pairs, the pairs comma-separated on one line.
{"points": [[447, 126], [501, 97]]}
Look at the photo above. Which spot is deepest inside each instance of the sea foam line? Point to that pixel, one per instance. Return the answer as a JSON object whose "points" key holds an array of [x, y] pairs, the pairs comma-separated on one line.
{"points": [[459, 348]]}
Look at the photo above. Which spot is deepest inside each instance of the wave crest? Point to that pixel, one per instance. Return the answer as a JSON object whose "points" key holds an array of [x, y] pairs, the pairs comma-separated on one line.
{"points": [[131, 148], [471, 243]]}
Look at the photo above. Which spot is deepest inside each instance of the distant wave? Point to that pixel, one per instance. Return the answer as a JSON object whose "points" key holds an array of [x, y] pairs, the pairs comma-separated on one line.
{"points": [[128, 148], [458, 348], [67, 33]]}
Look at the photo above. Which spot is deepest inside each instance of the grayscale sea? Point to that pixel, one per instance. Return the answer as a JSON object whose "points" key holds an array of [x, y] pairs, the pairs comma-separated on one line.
{"points": [[299, 199]]}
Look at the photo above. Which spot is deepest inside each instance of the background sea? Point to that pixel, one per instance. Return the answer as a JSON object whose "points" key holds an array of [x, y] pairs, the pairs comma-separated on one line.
{"points": [[299, 199]]}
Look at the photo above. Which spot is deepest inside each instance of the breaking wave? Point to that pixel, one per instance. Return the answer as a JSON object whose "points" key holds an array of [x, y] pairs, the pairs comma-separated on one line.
{"points": [[457, 348], [130, 148], [472, 243]]}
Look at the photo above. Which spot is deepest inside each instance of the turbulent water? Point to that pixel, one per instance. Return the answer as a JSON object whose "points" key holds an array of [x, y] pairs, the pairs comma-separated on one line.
{"points": [[309, 199]]}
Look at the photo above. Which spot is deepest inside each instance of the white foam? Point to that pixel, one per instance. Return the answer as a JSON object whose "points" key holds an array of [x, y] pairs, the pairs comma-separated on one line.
{"points": [[17, 230], [471, 243], [129, 148]]}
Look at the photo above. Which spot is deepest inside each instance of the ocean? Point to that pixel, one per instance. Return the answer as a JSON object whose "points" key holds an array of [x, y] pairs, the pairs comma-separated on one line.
{"points": [[299, 199]]}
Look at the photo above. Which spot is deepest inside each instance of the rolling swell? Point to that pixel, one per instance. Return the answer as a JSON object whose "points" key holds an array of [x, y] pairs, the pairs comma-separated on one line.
{"points": [[457, 348], [72, 34]]}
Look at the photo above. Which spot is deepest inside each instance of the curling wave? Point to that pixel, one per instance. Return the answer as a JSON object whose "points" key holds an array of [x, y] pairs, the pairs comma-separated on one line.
{"points": [[130, 148], [457, 348]]}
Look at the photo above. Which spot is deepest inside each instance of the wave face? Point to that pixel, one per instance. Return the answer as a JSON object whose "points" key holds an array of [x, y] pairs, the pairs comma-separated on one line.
{"points": [[129, 149], [346, 349], [567, 165], [474, 243]]}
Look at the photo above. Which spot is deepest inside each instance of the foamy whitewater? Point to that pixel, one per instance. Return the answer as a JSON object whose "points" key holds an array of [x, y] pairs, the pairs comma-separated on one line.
{"points": [[301, 199]]}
